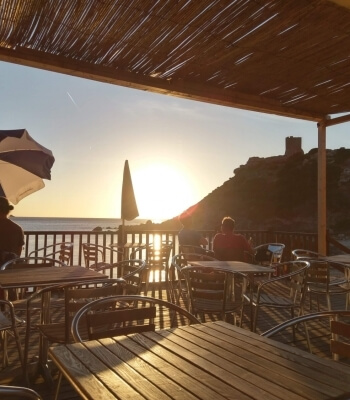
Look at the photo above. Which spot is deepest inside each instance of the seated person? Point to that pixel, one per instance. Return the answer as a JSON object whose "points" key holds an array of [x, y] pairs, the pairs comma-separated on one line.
{"points": [[230, 246], [189, 236]]}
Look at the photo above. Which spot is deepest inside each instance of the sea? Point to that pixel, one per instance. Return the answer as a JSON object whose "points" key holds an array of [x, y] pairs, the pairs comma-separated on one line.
{"points": [[29, 224]]}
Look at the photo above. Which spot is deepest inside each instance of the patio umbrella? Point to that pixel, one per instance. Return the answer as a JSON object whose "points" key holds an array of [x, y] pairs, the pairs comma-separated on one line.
{"points": [[24, 164], [129, 209]]}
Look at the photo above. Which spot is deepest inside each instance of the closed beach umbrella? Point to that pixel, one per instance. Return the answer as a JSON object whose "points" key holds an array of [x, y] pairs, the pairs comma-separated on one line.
{"points": [[24, 164], [129, 209]]}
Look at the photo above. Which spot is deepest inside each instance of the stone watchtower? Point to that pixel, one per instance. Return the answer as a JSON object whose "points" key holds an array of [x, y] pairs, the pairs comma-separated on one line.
{"points": [[293, 146]]}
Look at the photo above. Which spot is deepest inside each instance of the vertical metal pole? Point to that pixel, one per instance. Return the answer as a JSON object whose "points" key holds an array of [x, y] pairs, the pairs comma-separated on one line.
{"points": [[321, 189]]}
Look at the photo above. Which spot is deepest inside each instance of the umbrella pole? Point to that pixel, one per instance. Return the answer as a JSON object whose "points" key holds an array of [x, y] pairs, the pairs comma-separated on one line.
{"points": [[123, 232]]}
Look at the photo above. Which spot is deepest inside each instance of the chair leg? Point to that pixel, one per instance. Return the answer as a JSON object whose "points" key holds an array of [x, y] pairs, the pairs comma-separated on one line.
{"points": [[3, 339], [255, 318], [19, 348], [242, 314], [59, 381], [307, 337], [329, 304]]}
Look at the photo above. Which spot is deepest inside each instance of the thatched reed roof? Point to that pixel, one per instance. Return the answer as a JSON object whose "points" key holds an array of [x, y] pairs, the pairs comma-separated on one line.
{"points": [[287, 57]]}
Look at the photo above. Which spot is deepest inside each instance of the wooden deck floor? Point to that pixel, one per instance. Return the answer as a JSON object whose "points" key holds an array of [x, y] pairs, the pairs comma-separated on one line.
{"points": [[267, 319]]}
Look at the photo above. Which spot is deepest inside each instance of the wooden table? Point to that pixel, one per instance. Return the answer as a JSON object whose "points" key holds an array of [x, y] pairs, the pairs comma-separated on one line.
{"points": [[29, 277], [234, 266], [45, 276], [340, 258], [205, 361]]}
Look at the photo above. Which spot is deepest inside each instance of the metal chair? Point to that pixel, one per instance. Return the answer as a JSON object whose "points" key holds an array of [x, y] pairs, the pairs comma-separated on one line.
{"points": [[305, 254], [326, 278], [177, 282], [75, 296], [63, 251], [213, 291], [123, 315], [18, 393], [269, 253], [95, 255], [8, 326], [338, 329], [131, 271], [157, 261], [286, 291]]}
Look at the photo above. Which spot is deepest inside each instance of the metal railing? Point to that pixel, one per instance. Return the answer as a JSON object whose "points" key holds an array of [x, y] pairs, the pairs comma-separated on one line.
{"points": [[35, 240]]}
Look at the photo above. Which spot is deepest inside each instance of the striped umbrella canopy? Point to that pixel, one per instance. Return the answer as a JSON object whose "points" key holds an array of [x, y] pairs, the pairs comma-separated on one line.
{"points": [[24, 163]]}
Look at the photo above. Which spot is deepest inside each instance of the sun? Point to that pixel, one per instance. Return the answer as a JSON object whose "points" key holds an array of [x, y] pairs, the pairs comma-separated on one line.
{"points": [[162, 191]]}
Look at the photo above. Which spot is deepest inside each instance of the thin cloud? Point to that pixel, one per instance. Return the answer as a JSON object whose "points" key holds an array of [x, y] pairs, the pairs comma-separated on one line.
{"points": [[72, 100]]}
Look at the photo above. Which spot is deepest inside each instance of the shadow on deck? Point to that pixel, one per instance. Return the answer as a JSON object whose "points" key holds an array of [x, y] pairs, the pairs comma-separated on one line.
{"points": [[267, 319]]}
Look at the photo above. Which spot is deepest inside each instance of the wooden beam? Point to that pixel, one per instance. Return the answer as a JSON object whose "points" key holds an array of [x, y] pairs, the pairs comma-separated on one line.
{"points": [[321, 190], [338, 120], [179, 88]]}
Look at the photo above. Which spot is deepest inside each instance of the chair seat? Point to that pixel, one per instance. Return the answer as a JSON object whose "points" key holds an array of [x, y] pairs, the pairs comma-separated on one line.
{"points": [[332, 289], [271, 300], [213, 306], [4, 321], [99, 265]]}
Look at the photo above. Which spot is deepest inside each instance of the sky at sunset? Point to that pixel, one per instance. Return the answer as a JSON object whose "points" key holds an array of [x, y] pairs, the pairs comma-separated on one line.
{"points": [[178, 150]]}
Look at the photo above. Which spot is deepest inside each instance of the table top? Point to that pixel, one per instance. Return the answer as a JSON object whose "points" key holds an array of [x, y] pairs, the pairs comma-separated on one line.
{"points": [[128, 245], [233, 266], [44, 276], [341, 258], [205, 361]]}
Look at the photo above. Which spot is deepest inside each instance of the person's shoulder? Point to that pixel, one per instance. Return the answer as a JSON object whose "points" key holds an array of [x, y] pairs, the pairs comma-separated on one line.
{"points": [[12, 224]]}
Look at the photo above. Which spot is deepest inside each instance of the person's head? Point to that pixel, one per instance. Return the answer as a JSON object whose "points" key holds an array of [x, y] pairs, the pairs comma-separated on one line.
{"points": [[5, 206], [227, 225]]}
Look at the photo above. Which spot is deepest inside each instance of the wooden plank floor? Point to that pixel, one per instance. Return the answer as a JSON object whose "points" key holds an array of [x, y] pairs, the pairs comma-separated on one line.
{"points": [[267, 319]]}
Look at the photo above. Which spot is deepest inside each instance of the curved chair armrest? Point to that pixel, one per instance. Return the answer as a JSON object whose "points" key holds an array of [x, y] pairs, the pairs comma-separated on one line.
{"points": [[83, 310], [16, 392], [304, 318]]}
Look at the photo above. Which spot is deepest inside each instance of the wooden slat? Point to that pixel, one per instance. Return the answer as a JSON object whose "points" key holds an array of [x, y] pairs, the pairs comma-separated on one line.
{"points": [[178, 370], [243, 367], [259, 364]]}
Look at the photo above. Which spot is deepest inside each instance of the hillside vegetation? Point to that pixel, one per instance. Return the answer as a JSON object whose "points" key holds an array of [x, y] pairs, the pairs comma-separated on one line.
{"points": [[279, 193]]}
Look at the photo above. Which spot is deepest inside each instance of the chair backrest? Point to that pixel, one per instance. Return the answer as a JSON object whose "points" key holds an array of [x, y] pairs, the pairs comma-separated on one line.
{"points": [[159, 255], [269, 253], [93, 253], [76, 295], [63, 251], [340, 348], [208, 289], [301, 253], [130, 270], [318, 273], [122, 315], [179, 261], [18, 392]]}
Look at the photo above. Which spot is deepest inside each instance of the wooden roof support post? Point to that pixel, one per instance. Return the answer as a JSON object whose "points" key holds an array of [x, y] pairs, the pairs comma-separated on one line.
{"points": [[321, 189]]}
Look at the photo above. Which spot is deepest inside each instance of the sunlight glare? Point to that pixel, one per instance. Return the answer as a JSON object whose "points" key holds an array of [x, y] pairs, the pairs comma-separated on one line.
{"points": [[162, 191]]}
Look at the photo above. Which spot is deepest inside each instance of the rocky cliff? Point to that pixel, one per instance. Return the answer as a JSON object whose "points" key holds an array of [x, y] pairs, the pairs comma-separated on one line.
{"points": [[279, 193]]}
